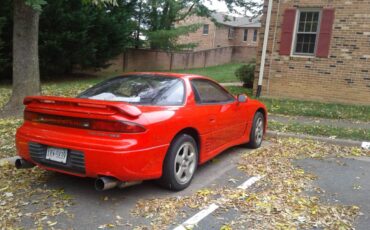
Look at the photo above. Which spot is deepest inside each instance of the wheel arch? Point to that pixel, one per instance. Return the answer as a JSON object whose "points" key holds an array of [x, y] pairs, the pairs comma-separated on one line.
{"points": [[264, 113], [194, 133]]}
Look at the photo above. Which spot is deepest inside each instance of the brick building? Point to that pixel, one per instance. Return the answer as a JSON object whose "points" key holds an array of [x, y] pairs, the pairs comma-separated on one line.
{"points": [[317, 50], [229, 31]]}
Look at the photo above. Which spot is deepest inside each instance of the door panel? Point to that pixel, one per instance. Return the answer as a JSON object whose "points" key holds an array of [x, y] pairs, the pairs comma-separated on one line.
{"points": [[230, 123]]}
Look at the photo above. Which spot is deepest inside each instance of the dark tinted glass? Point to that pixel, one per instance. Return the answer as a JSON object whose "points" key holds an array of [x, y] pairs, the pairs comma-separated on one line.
{"points": [[306, 43], [209, 92], [139, 89], [205, 29], [307, 32]]}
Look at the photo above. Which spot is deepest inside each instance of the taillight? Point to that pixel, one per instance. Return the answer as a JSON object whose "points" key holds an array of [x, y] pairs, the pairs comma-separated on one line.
{"points": [[84, 123]]}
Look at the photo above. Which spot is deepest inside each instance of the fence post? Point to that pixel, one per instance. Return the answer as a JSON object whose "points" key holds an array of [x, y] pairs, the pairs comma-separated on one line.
{"points": [[205, 58], [171, 60], [125, 60]]}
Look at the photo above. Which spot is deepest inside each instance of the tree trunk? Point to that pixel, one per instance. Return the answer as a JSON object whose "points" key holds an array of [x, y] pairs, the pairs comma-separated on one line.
{"points": [[26, 73]]}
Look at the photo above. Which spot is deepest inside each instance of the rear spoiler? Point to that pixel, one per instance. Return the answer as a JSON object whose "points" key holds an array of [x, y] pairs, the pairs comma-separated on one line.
{"points": [[47, 101]]}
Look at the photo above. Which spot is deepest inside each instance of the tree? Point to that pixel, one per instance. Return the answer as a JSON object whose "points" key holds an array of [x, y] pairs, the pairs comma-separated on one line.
{"points": [[2, 58], [160, 19], [26, 72], [75, 34]]}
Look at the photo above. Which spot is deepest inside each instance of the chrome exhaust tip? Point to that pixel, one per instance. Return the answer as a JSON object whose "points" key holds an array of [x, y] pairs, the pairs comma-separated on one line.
{"points": [[23, 164], [105, 183]]}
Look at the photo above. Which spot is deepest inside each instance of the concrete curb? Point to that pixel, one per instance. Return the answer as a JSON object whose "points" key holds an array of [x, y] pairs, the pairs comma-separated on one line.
{"points": [[343, 142]]}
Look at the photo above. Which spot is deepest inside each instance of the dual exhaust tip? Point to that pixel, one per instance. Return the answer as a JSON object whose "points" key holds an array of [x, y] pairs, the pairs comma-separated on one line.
{"points": [[101, 184]]}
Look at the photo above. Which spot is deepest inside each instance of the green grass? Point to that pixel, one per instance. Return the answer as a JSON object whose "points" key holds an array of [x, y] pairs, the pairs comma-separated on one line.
{"points": [[321, 130], [317, 109], [310, 108], [221, 73], [235, 90]]}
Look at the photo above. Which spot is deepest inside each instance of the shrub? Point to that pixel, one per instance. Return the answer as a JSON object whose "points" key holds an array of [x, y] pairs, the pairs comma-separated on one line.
{"points": [[245, 74]]}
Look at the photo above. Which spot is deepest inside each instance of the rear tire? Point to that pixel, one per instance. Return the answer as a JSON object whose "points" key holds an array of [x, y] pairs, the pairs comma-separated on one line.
{"points": [[180, 163], [257, 131]]}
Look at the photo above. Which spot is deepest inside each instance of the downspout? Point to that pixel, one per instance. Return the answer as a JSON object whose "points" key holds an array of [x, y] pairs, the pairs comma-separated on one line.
{"points": [[273, 48], [264, 49]]}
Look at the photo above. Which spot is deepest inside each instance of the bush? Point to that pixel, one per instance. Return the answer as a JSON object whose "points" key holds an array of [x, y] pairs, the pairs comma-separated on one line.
{"points": [[245, 74]]}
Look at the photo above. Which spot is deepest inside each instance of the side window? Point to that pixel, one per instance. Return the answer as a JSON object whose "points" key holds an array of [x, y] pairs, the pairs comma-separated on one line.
{"points": [[208, 92], [173, 96]]}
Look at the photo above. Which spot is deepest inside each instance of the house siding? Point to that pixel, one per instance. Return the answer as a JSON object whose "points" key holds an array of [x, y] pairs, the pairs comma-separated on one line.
{"points": [[343, 77]]}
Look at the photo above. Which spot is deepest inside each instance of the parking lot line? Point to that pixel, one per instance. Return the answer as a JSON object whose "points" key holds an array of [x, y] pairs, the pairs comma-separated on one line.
{"points": [[366, 145], [250, 182], [194, 220]]}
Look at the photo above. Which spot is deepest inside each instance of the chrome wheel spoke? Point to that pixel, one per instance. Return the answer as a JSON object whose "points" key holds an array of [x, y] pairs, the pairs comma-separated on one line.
{"points": [[185, 163], [180, 171]]}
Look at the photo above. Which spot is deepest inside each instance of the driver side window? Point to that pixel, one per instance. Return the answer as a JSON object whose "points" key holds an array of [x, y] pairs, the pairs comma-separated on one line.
{"points": [[208, 92]]}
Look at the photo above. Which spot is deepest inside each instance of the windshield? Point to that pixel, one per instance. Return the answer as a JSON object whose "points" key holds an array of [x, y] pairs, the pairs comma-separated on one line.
{"points": [[139, 89]]}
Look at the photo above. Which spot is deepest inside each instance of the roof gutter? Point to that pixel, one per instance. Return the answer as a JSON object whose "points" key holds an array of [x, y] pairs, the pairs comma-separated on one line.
{"points": [[264, 49]]}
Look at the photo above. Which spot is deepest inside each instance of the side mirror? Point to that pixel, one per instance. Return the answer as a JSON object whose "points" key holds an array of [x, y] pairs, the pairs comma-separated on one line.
{"points": [[242, 98]]}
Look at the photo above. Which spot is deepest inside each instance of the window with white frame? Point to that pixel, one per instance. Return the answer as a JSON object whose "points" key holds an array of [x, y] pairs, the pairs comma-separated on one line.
{"points": [[205, 29], [307, 31]]}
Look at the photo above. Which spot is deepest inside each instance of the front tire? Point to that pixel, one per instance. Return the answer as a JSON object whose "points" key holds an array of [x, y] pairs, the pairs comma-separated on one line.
{"points": [[257, 132], [180, 163]]}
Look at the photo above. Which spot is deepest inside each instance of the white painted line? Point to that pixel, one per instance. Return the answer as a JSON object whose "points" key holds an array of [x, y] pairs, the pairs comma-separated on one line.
{"points": [[366, 145], [250, 182], [194, 220]]}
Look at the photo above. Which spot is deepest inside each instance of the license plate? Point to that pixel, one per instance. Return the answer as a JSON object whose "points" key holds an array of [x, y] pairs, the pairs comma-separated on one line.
{"points": [[57, 154]]}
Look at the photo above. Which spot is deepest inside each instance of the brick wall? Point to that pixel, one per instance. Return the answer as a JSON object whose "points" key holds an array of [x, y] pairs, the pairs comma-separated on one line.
{"points": [[342, 77], [217, 36]]}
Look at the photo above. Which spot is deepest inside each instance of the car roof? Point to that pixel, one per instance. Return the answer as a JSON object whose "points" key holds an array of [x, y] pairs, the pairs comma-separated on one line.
{"points": [[171, 74]]}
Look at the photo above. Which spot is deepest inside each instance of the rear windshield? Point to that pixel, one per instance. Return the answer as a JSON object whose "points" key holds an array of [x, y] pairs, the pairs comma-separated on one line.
{"points": [[139, 89]]}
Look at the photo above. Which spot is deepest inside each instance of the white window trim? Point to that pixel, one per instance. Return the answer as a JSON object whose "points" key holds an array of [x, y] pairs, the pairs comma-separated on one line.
{"points": [[294, 40]]}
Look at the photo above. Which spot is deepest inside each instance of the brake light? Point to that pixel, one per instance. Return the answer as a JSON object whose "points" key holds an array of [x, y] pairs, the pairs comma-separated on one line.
{"points": [[84, 123]]}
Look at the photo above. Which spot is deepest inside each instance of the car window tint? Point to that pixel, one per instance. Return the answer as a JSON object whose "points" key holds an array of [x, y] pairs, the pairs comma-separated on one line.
{"points": [[209, 92], [139, 89]]}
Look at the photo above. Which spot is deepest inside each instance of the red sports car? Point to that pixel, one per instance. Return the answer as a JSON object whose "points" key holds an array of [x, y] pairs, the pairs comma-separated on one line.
{"points": [[138, 126]]}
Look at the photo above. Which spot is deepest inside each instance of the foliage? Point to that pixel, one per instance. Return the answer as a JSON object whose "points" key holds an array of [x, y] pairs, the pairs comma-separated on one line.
{"points": [[321, 130], [317, 109], [246, 74], [221, 73], [167, 39], [5, 37], [161, 19], [311, 108], [25, 197], [279, 201], [2, 58], [73, 34]]}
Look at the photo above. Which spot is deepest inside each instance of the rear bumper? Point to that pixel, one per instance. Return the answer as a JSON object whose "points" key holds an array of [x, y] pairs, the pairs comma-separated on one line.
{"points": [[98, 159]]}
